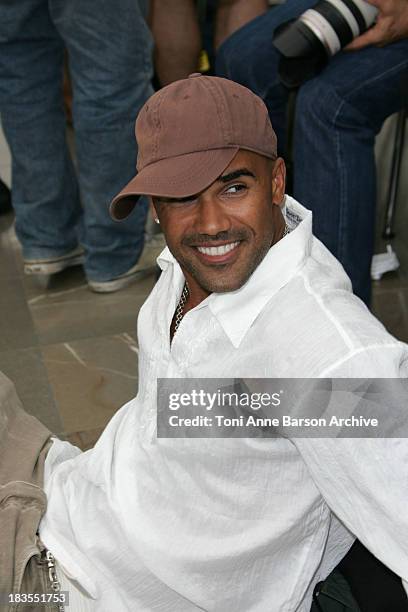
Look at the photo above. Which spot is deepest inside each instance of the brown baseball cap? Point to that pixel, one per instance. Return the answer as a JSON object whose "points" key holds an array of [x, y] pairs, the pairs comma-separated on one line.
{"points": [[188, 133]]}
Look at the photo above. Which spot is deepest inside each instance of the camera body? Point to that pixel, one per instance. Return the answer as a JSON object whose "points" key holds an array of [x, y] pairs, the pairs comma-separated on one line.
{"points": [[307, 43]]}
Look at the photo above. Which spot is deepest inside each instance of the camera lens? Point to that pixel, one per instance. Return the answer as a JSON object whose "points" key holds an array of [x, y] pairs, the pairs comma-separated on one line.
{"points": [[308, 42]]}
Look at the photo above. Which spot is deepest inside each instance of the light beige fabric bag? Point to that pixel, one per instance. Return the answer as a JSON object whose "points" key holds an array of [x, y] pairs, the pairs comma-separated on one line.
{"points": [[24, 443]]}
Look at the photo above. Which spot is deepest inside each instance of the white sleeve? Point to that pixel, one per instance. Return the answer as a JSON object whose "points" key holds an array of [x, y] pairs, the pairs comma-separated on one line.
{"points": [[365, 481]]}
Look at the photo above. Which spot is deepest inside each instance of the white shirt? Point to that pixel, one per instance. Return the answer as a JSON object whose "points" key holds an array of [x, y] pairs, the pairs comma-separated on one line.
{"points": [[234, 525]]}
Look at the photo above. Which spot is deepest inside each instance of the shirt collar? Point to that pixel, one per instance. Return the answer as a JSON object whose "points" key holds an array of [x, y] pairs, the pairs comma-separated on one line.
{"points": [[237, 310]]}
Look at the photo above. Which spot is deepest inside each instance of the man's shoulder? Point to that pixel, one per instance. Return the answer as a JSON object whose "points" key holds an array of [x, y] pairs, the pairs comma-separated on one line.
{"points": [[316, 322]]}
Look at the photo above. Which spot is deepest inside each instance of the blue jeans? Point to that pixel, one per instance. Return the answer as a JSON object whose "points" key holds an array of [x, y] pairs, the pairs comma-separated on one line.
{"points": [[109, 47], [338, 114]]}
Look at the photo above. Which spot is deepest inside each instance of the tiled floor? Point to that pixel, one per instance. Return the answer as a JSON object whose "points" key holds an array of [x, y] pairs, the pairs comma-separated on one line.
{"points": [[73, 354]]}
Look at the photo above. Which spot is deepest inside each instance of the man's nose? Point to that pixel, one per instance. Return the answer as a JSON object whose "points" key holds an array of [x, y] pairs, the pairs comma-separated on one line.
{"points": [[211, 217]]}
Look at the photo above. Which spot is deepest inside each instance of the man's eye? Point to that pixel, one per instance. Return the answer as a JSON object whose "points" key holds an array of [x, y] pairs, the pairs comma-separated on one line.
{"points": [[235, 188]]}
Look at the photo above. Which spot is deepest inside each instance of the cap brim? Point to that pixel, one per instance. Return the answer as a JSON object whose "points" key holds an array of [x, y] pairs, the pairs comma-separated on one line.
{"points": [[176, 177]]}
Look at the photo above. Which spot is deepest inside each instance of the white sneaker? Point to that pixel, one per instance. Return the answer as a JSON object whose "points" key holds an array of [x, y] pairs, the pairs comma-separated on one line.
{"points": [[54, 264], [383, 263], [145, 266]]}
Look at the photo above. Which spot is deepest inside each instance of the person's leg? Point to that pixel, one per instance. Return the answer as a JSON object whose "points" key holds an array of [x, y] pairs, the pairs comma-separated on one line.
{"points": [[45, 193], [110, 61], [177, 38], [234, 14], [338, 115], [249, 57]]}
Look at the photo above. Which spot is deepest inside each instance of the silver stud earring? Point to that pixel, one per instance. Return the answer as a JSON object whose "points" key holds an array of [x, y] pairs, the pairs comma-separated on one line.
{"points": [[157, 221]]}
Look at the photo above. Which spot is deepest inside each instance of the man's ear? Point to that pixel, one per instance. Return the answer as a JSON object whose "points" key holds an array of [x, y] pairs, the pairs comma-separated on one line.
{"points": [[278, 181]]}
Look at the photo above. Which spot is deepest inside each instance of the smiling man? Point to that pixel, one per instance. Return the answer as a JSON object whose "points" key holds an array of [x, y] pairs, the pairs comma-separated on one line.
{"points": [[229, 226], [238, 524]]}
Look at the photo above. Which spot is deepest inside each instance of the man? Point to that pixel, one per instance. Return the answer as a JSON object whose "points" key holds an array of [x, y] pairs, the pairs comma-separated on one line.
{"points": [[147, 523], [338, 115]]}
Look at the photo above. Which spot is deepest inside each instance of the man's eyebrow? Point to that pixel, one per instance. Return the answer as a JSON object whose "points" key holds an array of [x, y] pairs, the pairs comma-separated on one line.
{"points": [[225, 178]]}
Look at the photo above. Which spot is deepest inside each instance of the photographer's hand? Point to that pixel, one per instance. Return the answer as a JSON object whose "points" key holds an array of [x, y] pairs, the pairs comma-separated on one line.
{"points": [[391, 25]]}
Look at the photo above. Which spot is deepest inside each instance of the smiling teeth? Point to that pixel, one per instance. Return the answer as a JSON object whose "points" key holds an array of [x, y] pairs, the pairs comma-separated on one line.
{"points": [[219, 250]]}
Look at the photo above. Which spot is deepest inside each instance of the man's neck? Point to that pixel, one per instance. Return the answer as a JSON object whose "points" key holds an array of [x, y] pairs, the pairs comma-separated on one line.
{"points": [[196, 293]]}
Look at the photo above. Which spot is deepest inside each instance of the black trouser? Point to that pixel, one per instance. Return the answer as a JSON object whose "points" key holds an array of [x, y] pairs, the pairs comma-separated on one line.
{"points": [[375, 587]]}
